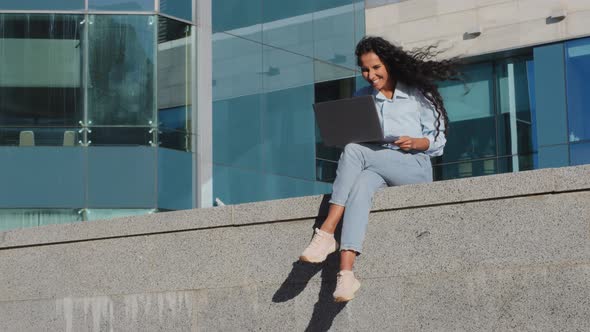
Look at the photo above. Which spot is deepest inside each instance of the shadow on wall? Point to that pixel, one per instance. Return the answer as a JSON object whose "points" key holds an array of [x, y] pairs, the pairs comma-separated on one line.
{"points": [[325, 310]]}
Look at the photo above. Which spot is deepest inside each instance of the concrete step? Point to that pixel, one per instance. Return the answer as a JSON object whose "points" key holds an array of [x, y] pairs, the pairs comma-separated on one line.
{"points": [[503, 252]]}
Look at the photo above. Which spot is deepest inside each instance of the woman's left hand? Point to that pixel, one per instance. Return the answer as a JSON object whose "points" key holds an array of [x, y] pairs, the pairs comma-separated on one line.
{"points": [[408, 143]]}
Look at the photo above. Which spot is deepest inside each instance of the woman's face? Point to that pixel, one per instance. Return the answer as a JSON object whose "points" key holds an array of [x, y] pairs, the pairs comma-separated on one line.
{"points": [[375, 73]]}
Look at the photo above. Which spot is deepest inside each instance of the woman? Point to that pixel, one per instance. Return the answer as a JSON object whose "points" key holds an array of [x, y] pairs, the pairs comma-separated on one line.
{"points": [[413, 118]]}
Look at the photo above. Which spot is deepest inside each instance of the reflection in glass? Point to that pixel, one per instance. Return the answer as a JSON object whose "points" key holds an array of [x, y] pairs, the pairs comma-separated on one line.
{"points": [[121, 5], [334, 35], [473, 100], [178, 8], [467, 168], [40, 70], [324, 71], [246, 25], [577, 73], [282, 70], [39, 136], [470, 107], [327, 157], [294, 34], [288, 135], [514, 120], [42, 5], [326, 170], [237, 132], [121, 69], [174, 83], [237, 64]]}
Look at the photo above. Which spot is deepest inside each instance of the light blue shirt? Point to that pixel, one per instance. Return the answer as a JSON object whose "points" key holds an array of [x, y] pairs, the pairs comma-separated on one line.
{"points": [[408, 113]]}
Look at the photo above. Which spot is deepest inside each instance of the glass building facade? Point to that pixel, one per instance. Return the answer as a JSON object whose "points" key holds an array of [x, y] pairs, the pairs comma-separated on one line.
{"points": [[99, 118], [95, 109], [270, 64]]}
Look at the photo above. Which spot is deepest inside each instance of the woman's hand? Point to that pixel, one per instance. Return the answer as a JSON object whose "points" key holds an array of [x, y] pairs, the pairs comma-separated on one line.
{"points": [[408, 143]]}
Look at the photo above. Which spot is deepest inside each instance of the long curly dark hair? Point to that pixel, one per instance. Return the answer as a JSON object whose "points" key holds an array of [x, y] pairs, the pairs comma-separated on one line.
{"points": [[416, 69]]}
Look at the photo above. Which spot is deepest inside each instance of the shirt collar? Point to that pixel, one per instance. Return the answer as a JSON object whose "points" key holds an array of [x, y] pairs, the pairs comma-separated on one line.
{"points": [[399, 93]]}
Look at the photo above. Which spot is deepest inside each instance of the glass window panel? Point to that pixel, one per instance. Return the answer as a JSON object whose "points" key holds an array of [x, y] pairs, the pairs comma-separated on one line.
{"points": [[514, 120], [237, 67], [275, 10], [467, 168], [39, 136], [121, 177], [247, 25], [578, 85], [288, 132], [42, 5], [175, 174], [178, 8], [474, 99], [334, 35], [470, 139], [326, 91], [174, 83], [324, 71], [175, 139], [325, 170], [515, 163], [359, 19], [120, 136], [550, 95], [283, 70], [121, 69], [580, 153], [470, 108], [44, 176], [41, 70], [533, 104], [327, 4], [553, 156], [122, 5], [293, 33], [237, 132], [234, 186]]}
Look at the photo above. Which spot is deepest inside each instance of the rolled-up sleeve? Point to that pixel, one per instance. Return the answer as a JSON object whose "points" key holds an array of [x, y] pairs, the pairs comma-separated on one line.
{"points": [[428, 122]]}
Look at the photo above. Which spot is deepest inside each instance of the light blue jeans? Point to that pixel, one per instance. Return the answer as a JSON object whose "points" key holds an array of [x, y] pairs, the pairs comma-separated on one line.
{"points": [[364, 168]]}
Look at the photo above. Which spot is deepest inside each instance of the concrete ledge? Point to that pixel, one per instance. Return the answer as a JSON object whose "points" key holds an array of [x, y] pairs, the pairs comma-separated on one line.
{"points": [[412, 196], [454, 257]]}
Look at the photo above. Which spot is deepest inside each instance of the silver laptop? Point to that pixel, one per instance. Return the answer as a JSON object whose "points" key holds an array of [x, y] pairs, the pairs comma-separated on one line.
{"points": [[350, 120]]}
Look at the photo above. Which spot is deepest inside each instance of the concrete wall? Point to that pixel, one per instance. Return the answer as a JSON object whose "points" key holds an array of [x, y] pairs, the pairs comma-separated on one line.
{"points": [[505, 24], [502, 252]]}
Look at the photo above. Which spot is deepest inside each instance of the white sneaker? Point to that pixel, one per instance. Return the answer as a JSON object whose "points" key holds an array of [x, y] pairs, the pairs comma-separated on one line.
{"points": [[346, 286], [322, 244]]}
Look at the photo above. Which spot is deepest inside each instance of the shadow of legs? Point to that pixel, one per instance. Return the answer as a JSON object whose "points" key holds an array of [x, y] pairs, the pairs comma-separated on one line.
{"points": [[301, 272], [326, 310], [296, 281]]}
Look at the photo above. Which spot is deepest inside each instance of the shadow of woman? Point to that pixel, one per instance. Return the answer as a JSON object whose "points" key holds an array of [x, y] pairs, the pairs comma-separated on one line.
{"points": [[325, 309]]}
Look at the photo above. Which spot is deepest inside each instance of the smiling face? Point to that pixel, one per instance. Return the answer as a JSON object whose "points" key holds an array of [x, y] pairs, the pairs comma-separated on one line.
{"points": [[376, 74]]}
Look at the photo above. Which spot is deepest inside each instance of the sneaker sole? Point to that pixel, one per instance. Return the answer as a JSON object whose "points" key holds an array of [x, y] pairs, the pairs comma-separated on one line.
{"points": [[310, 260]]}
